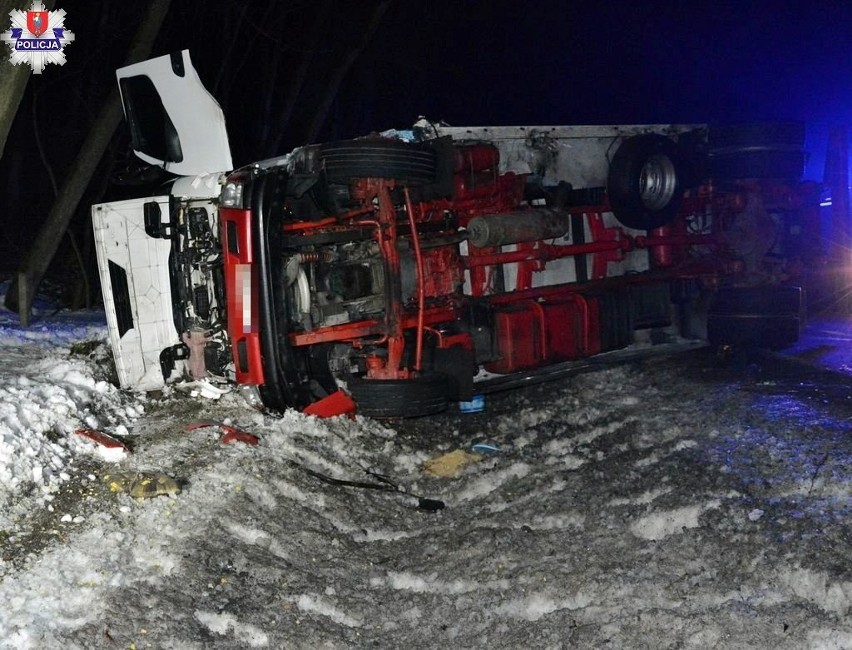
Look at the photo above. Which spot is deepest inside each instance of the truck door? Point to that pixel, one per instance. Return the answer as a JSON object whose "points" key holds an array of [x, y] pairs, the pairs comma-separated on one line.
{"points": [[174, 122]]}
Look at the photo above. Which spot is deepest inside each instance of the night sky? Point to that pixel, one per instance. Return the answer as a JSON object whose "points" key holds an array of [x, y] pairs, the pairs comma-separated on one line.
{"points": [[603, 62], [489, 62]]}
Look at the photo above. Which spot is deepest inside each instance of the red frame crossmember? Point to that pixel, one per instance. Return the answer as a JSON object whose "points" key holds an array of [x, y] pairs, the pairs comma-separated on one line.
{"points": [[612, 241], [378, 192]]}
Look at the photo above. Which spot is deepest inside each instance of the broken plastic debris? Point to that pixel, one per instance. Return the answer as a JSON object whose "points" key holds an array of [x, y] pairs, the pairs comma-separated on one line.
{"points": [[103, 439], [202, 388], [230, 434], [485, 448], [450, 464], [251, 395], [142, 485], [233, 435], [475, 405], [338, 403]]}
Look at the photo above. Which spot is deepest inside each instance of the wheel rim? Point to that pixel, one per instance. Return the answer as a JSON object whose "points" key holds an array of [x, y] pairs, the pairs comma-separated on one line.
{"points": [[657, 182]]}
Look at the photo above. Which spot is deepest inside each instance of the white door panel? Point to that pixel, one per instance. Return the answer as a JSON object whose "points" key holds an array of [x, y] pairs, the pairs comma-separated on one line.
{"points": [[174, 122]]}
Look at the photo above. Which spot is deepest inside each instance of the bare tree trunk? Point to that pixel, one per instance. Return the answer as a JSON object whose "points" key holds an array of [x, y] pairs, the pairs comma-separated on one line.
{"points": [[297, 81], [234, 29], [224, 83], [321, 113], [13, 78], [53, 229]]}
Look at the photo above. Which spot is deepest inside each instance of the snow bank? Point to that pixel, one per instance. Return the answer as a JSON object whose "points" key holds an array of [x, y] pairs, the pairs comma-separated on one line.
{"points": [[46, 393]]}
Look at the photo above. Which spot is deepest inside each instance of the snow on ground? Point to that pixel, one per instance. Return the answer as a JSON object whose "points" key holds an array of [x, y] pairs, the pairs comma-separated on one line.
{"points": [[46, 393], [668, 503]]}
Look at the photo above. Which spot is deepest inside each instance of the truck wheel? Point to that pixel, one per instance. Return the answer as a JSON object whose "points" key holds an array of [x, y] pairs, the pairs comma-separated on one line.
{"points": [[408, 162], [645, 184], [759, 150], [757, 163], [759, 317], [751, 331], [777, 135], [400, 398]]}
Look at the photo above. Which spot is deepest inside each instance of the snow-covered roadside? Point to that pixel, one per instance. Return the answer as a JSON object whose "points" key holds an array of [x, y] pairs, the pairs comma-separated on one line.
{"points": [[46, 393], [670, 503]]}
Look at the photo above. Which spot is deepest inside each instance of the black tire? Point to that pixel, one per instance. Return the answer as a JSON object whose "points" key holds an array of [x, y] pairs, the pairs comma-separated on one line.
{"points": [[408, 162], [749, 331], [758, 300], [760, 150], [645, 183], [400, 398], [758, 163], [692, 148], [760, 317], [776, 135]]}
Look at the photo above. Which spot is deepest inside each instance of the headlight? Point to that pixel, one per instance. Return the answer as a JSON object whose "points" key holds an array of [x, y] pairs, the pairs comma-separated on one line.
{"points": [[232, 195]]}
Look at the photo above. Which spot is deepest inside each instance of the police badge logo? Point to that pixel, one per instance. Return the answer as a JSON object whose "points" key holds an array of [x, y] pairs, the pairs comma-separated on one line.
{"points": [[37, 37]]}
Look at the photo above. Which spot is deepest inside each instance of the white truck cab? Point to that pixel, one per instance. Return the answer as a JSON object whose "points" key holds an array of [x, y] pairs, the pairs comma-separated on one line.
{"points": [[141, 243]]}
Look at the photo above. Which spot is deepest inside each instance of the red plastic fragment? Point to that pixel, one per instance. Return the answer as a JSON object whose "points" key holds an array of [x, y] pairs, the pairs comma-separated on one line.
{"points": [[231, 435], [338, 403], [101, 438]]}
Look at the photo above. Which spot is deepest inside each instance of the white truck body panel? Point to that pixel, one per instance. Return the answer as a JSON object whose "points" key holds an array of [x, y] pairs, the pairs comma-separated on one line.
{"points": [[578, 155], [139, 313]]}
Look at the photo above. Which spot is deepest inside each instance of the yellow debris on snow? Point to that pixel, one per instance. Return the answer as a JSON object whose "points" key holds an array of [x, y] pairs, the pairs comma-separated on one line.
{"points": [[450, 464], [142, 485]]}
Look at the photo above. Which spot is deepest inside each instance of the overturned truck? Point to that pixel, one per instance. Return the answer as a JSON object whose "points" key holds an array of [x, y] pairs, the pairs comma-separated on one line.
{"points": [[415, 268]]}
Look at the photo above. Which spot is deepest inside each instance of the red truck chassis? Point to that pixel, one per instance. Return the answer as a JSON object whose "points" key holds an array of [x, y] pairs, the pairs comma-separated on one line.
{"points": [[452, 276]]}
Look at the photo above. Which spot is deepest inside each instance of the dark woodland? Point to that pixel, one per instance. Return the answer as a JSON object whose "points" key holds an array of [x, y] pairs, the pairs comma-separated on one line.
{"points": [[288, 73]]}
